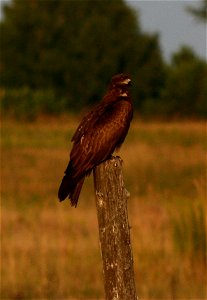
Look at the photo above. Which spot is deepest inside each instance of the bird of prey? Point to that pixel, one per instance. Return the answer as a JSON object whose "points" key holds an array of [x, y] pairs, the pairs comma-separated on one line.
{"points": [[100, 133]]}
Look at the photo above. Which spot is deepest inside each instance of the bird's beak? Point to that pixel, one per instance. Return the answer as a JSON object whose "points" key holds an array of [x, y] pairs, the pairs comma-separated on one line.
{"points": [[127, 82]]}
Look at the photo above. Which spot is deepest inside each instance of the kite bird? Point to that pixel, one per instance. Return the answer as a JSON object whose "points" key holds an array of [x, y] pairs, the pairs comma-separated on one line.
{"points": [[101, 131]]}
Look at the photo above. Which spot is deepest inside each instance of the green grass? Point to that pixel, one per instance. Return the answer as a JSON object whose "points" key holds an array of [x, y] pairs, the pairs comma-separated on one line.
{"points": [[50, 250]]}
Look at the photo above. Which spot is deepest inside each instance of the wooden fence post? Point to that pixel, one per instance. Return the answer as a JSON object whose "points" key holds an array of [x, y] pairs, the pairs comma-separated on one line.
{"points": [[114, 234]]}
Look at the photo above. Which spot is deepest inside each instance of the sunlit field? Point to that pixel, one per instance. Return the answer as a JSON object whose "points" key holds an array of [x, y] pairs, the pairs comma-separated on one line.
{"points": [[50, 250]]}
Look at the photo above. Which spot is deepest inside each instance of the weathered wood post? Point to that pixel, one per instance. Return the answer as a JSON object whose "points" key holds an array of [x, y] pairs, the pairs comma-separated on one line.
{"points": [[114, 234]]}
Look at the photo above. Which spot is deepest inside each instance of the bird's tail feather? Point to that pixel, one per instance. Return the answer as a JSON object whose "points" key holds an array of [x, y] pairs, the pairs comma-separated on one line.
{"points": [[65, 187], [71, 189], [74, 195]]}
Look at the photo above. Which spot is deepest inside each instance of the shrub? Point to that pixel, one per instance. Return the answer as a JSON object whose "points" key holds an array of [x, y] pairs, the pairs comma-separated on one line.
{"points": [[28, 104]]}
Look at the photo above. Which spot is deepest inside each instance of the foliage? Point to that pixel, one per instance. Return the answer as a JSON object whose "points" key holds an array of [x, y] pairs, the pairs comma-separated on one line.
{"points": [[58, 56], [185, 92], [28, 104], [199, 13], [74, 47]]}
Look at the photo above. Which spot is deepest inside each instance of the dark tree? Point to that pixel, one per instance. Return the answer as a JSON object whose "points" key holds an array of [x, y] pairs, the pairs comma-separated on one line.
{"points": [[185, 93], [73, 47], [199, 13]]}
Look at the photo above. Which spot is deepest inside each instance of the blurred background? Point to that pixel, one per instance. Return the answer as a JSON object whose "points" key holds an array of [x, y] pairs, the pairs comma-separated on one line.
{"points": [[56, 59]]}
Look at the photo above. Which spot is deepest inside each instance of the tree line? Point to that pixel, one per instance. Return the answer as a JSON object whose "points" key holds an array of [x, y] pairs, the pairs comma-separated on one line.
{"points": [[58, 56]]}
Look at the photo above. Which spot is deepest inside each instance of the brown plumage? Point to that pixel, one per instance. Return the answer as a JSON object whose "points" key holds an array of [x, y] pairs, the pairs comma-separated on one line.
{"points": [[101, 131]]}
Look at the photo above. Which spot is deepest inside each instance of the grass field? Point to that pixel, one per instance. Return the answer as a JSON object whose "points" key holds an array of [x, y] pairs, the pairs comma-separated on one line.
{"points": [[50, 250]]}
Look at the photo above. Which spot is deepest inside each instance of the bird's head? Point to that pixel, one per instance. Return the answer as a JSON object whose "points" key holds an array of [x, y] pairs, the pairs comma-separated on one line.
{"points": [[118, 88], [122, 81]]}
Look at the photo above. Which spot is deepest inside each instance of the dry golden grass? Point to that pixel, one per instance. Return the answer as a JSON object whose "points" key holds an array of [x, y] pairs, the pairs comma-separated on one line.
{"points": [[51, 251]]}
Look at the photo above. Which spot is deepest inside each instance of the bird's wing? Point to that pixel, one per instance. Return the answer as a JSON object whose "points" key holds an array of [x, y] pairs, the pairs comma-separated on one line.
{"points": [[88, 122], [93, 116], [99, 142]]}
